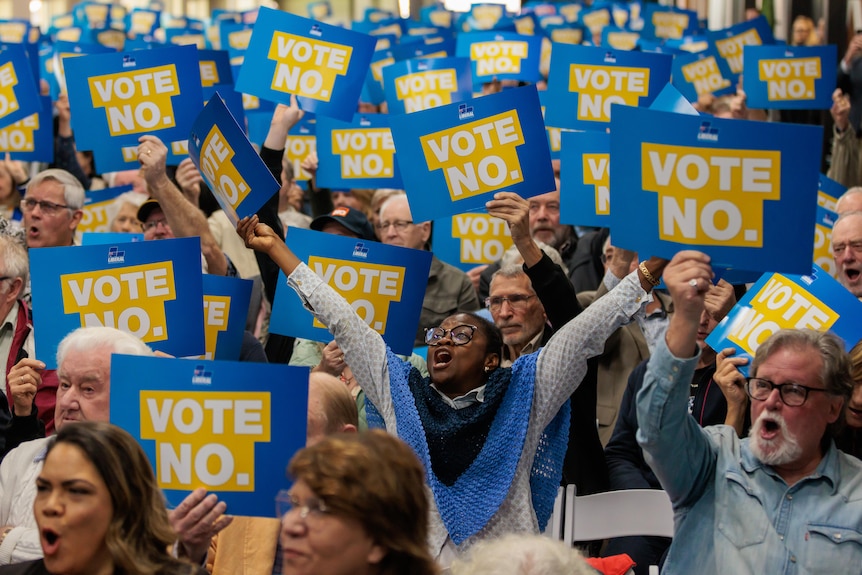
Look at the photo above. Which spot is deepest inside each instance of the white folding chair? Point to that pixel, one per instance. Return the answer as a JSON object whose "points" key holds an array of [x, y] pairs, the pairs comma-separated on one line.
{"points": [[554, 528], [616, 514]]}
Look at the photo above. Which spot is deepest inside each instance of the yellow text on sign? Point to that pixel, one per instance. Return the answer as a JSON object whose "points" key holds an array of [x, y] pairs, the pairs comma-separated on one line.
{"points": [[296, 148], [217, 166], [369, 288], [711, 196], [205, 438], [596, 20], [19, 137], [600, 86], [130, 298], [307, 67], [8, 81], [731, 48], [424, 90], [823, 245], [209, 73], [669, 24], [477, 157], [503, 57], [95, 217], [705, 76], [789, 79], [780, 304], [216, 313], [138, 100], [597, 174], [365, 152], [484, 239]]}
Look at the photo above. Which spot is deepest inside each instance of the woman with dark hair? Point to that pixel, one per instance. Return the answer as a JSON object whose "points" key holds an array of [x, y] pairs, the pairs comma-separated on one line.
{"points": [[849, 439], [99, 509], [491, 439], [357, 506]]}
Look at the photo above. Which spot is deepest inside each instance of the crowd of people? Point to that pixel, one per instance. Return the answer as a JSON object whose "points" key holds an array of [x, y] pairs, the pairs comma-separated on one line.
{"points": [[561, 363]]}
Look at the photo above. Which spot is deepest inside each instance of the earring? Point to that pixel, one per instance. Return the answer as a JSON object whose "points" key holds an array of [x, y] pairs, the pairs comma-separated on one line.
{"points": [[488, 368]]}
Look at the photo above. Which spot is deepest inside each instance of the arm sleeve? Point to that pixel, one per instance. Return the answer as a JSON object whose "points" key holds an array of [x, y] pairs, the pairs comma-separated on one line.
{"points": [[555, 291], [268, 214], [65, 159]]}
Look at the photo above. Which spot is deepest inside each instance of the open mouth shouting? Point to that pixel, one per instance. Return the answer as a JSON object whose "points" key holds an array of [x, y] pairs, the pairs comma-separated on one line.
{"points": [[442, 357], [50, 541]]}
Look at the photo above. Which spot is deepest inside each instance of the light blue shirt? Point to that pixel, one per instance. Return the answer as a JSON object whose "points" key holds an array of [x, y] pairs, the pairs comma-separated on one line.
{"points": [[733, 514]]}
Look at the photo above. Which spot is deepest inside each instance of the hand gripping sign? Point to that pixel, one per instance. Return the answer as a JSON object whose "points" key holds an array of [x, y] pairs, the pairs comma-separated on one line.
{"points": [[469, 240], [323, 65], [585, 81], [790, 77], [226, 303], [782, 301], [731, 41], [585, 192], [226, 426], [149, 289], [702, 73], [420, 84], [459, 155], [500, 55], [30, 139], [238, 178], [19, 97], [358, 154], [116, 98], [384, 284], [731, 188]]}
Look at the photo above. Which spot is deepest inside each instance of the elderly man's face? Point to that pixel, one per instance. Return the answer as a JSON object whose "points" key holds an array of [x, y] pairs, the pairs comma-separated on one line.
{"points": [[545, 220], [396, 226], [847, 252], [84, 392], [519, 321], [47, 224], [156, 227]]}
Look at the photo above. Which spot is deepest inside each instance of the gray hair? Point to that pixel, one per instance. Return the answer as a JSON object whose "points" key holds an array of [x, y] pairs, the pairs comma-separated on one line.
{"points": [[86, 339], [835, 374], [846, 215], [14, 258], [522, 554], [113, 209], [850, 192], [73, 191]]}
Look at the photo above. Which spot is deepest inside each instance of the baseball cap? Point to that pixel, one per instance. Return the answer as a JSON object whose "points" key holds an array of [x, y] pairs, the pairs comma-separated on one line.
{"points": [[353, 220], [146, 209]]}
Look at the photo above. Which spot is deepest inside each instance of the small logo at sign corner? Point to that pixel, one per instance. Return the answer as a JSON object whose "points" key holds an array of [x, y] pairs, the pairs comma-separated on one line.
{"points": [[315, 30], [810, 278], [610, 58], [116, 256], [465, 112], [128, 61], [360, 250], [364, 122], [707, 132], [201, 376]]}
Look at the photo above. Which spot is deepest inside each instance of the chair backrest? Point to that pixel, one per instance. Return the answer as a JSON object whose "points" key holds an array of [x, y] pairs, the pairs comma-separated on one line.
{"points": [[554, 528], [616, 514]]}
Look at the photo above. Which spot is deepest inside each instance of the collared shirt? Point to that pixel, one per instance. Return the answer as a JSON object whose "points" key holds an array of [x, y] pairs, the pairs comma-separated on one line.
{"points": [[734, 514], [7, 334], [654, 324], [472, 397]]}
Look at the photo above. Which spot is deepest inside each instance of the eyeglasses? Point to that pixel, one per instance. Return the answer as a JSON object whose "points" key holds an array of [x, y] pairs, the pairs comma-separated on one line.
{"points": [[855, 247], [460, 334], [310, 512], [48, 208], [399, 225], [792, 394], [152, 224], [517, 302]]}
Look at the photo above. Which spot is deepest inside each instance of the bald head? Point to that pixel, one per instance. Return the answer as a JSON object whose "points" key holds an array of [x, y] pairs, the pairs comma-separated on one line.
{"points": [[850, 201], [331, 408]]}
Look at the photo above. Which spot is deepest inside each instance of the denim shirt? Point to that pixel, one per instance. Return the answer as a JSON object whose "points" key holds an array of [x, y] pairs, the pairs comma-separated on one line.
{"points": [[733, 514]]}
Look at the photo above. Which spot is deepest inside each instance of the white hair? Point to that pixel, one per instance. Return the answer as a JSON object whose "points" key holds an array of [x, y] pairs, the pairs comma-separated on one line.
{"points": [[73, 191], [86, 339], [113, 209], [522, 554]]}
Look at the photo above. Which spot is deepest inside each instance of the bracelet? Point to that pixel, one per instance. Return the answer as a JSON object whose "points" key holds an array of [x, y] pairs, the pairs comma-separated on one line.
{"points": [[648, 275]]}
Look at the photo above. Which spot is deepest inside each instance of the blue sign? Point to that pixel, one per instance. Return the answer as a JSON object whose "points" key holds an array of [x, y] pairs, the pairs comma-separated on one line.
{"points": [[702, 73], [32, 138], [102, 238], [226, 303], [323, 65], [97, 203], [668, 22], [782, 301], [117, 98], [420, 84], [731, 188], [63, 50], [619, 38], [19, 97], [501, 56], [357, 154], [585, 192], [149, 289], [471, 239], [372, 88], [443, 48], [215, 68], [790, 77], [588, 80], [828, 192], [237, 176], [384, 284], [555, 141], [227, 426], [731, 41]]}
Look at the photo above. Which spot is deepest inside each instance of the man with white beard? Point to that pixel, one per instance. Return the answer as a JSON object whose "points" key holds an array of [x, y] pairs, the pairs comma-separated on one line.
{"points": [[783, 500]]}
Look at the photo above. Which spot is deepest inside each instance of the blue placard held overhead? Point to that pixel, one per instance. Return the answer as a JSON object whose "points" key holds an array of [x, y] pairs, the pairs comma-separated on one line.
{"points": [[215, 67], [237, 176], [585, 81], [585, 192], [731, 188], [384, 284], [702, 73], [226, 303], [501, 55], [117, 98], [668, 22], [731, 41], [226, 426], [32, 138], [358, 154], [469, 240], [149, 289], [420, 84], [19, 97], [790, 77], [455, 157], [97, 204], [323, 65]]}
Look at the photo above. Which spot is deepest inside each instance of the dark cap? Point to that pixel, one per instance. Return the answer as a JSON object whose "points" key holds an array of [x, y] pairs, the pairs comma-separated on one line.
{"points": [[353, 220], [146, 209]]}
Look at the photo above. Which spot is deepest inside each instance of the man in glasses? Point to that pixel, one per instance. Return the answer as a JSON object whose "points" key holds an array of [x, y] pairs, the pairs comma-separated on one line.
{"points": [[783, 500], [52, 209]]}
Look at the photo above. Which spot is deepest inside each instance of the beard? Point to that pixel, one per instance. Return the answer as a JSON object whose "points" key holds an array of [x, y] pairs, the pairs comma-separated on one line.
{"points": [[782, 449]]}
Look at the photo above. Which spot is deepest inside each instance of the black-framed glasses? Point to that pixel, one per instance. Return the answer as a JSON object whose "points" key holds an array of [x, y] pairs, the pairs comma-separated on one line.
{"points": [[311, 511], [29, 204], [516, 301], [792, 394], [460, 334], [399, 225]]}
